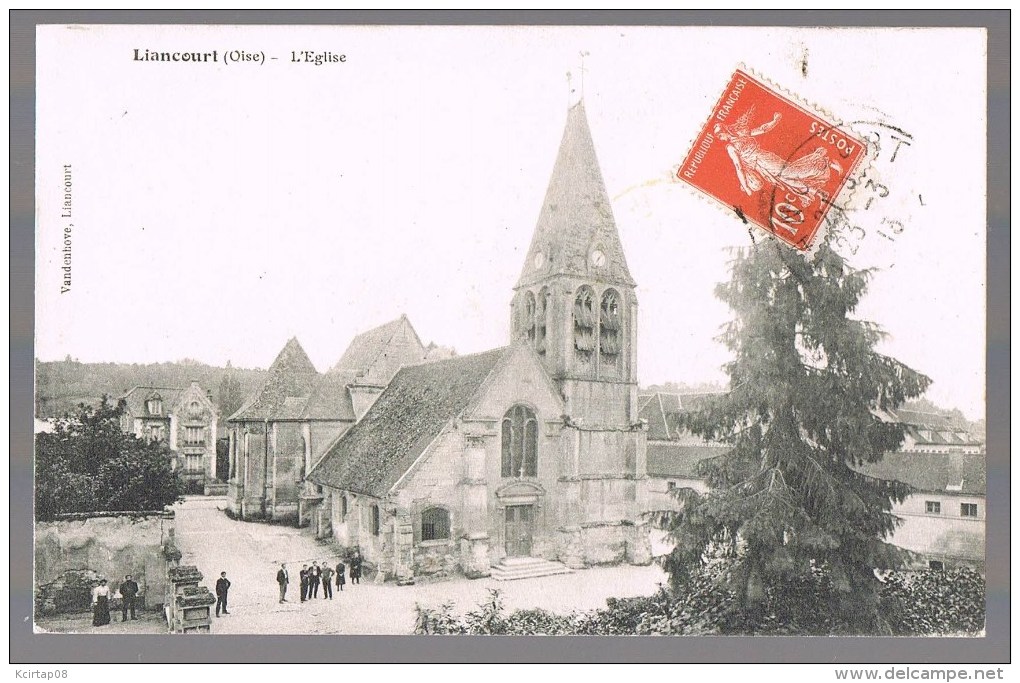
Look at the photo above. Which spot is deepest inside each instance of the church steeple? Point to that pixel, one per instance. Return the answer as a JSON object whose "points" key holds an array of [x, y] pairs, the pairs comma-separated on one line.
{"points": [[576, 232], [574, 302]]}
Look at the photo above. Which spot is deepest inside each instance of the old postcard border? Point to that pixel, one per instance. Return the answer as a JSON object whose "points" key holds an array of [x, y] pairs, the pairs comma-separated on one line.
{"points": [[40, 648]]}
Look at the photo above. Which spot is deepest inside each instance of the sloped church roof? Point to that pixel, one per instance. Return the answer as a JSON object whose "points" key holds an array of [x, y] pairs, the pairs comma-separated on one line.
{"points": [[366, 347], [576, 217], [289, 382], [413, 410]]}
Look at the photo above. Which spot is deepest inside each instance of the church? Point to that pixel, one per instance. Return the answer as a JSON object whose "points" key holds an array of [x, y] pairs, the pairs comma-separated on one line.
{"points": [[525, 460]]}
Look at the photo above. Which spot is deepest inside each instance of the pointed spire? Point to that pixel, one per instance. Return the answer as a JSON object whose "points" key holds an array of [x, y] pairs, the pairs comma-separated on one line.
{"points": [[576, 219]]}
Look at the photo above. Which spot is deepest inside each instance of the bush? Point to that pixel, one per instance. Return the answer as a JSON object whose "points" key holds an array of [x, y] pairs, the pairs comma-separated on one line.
{"points": [[87, 464], [913, 603], [932, 602], [437, 621]]}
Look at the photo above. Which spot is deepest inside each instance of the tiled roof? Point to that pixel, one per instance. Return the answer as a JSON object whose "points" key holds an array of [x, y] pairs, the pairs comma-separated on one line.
{"points": [[137, 397], [291, 377], [669, 459], [330, 399], [933, 472], [413, 410], [366, 347], [662, 411], [576, 215], [292, 408], [928, 420]]}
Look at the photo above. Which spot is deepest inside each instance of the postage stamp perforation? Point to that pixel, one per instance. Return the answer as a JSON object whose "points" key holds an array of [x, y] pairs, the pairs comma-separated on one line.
{"points": [[702, 196], [788, 190], [812, 107]]}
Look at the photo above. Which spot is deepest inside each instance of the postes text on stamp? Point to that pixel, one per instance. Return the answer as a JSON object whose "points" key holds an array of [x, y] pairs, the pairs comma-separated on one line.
{"points": [[771, 161]]}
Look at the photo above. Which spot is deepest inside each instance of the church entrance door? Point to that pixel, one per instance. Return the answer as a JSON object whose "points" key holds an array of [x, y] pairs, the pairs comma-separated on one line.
{"points": [[519, 530]]}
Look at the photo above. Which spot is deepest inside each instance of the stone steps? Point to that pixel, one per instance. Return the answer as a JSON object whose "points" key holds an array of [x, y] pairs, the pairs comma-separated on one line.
{"points": [[512, 569]]}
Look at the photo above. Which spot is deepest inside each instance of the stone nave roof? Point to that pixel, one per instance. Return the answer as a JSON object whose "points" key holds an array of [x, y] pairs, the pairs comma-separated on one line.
{"points": [[413, 410], [366, 347], [288, 384]]}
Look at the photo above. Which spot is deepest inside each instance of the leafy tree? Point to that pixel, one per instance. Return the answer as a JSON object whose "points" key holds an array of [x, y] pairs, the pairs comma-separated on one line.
{"points": [[230, 394], [787, 498], [87, 464]]}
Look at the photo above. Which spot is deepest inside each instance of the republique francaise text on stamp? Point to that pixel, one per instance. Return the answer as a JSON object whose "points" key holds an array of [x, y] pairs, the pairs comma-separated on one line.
{"points": [[772, 162]]}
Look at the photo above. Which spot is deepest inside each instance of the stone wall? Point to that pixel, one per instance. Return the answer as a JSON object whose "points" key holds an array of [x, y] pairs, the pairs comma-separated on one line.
{"points": [[99, 546]]}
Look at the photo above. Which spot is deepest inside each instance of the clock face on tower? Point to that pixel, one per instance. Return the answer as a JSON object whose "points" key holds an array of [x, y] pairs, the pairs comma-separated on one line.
{"points": [[539, 260], [598, 259]]}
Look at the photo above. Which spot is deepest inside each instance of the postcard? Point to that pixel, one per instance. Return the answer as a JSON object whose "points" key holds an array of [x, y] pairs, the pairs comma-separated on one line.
{"points": [[510, 330]]}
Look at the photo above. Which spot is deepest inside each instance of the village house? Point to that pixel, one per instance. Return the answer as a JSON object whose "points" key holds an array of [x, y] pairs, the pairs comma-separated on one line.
{"points": [[524, 460], [285, 426], [185, 419], [942, 521], [673, 453]]}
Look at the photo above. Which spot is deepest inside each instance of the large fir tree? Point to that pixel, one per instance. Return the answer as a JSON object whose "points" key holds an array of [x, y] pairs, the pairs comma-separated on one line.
{"points": [[787, 500]]}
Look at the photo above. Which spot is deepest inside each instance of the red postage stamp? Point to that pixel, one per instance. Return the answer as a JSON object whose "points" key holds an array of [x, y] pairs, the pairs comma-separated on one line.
{"points": [[770, 161]]}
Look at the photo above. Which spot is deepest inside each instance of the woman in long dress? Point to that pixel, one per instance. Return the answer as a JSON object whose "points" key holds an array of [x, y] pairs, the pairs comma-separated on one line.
{"points": [[101, 604], [803, 177]]}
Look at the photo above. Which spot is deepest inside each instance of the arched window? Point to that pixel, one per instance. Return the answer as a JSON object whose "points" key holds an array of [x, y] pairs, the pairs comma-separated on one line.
{"points": [[435, 524], [529, 317], [155, 405], [541, 320], [584, 324], [520, 443], [373, 520], [343, 508], [610, 328]]}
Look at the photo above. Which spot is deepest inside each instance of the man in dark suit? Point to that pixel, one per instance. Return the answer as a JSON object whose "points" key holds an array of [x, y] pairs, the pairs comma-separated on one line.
{"points": [[327, 581], [128, 593], [283, 578], [222, 586], [314, 575], [304, 582]]}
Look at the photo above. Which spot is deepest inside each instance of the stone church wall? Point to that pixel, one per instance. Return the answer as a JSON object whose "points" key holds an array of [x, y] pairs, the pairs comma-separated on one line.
{"points": [[288, 464], [111, 545], [436, 484]]}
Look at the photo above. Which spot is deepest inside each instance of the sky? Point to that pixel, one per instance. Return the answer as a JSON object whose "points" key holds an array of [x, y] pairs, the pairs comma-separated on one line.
{"points": [[219, 209]]}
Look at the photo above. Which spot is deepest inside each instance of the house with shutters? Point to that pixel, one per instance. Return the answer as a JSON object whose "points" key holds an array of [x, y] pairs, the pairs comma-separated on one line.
{"points": [[185, 419], [527, 459]]}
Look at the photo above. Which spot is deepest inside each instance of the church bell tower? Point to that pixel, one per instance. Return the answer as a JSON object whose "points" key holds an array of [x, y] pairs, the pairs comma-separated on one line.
{"points": [[574, 301]]}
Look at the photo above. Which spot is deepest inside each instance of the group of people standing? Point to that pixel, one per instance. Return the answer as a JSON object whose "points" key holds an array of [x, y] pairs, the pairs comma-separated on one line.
{"points": [[316, 575], [312, 578], [101, 601]]}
